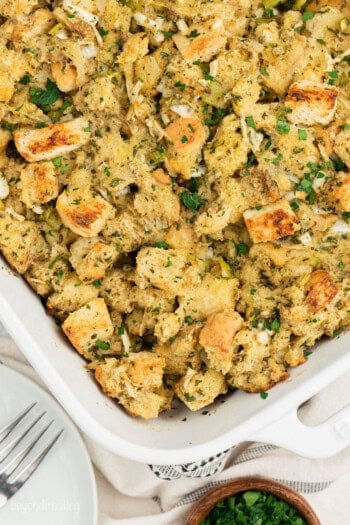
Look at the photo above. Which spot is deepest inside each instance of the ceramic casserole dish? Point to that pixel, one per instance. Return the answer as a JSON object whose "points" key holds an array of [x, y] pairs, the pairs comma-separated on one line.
{"points": [[178, 436]]}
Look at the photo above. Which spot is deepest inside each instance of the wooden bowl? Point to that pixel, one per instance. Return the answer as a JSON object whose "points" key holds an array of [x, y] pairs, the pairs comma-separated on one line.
{"points": [[206, 503]]}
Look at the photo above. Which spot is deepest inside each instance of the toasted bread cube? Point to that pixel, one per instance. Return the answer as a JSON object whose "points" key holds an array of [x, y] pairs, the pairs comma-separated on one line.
{"points": [[205, 43], [321, 290], [228, 151], [186, 138], [19, 242], [338, 191], [85, 216], [169, 270], [181, 353], [12, 68], [15, 8], [87, 325], [213, 294], [319, 5], [65, 76], [217, 337], [33, 25], [72, 296], [136, 381], [311, 103], [199, 389], [117, 291], [342, 146], [52, 141], [5, 137], [272, 222], [39, 183], [135, 47], [90, 258], [145, 370]]}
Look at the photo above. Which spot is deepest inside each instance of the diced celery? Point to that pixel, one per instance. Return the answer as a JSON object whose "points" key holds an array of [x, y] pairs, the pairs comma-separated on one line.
{"points": [[213, 94]]}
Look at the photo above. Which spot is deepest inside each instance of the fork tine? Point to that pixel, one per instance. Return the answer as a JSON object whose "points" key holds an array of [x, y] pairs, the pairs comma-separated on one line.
{"points": [[23, 475], [5, 431], [7, 449], [20, 456]]}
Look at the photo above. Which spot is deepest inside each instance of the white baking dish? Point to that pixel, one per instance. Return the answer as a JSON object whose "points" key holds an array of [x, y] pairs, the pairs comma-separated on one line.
{"points": [[170, 439]]}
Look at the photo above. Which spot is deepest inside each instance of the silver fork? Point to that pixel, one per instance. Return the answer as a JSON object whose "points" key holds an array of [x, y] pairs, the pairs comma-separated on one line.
{"points": [[14, 470]]}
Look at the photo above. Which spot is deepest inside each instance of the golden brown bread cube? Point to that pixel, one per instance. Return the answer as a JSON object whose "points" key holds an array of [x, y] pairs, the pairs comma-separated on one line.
{"points": [[85, 215], [169, 270], [88, 325], [72, 295], [217, 337], [12, 68], [181, 353], [39, 183], [20, 242], [341, 146], [186, 137], [272, 222], [211, 295], [50, 142], [203, 45], [91, 258], [199, 389], [321, 289], [14, 8], [32, 26], [311, 103], [318, 5], [228, 151], [338, 191], [136, 381], [65, 76]]}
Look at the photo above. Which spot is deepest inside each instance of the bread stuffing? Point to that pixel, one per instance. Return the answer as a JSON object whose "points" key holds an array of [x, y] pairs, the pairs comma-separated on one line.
{"points": [[175, 185]]}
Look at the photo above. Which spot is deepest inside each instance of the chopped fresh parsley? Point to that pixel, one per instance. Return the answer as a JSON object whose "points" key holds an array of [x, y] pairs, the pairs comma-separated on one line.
{"points": [[264, 72], [168, 263], [97, 283], [189, 398], [180, 85], [253, 507], [103, 31], [242, 248], [44, 98], [276, 161], [188, 319], [162, 244], [283, 126], [275, 325], [25, 80], [263, 395], [250, 122], [308, 15], [194, 33], [302, 134], [192, 201], [102, 345]]}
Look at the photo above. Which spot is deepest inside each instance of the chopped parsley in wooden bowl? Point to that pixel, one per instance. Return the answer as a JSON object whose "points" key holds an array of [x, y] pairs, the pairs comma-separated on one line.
{"points": [[252, 501]]}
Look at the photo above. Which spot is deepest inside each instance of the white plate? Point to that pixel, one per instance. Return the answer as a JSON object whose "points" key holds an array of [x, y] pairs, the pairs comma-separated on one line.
{"points": [[63, 489]]}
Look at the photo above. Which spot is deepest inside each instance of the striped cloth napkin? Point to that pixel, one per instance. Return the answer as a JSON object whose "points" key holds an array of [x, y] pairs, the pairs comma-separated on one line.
{"points": [[132, 493]]}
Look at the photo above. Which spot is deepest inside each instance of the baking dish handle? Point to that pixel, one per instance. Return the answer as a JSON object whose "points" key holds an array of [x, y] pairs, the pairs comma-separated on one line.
{"points": [[320, 441]]}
